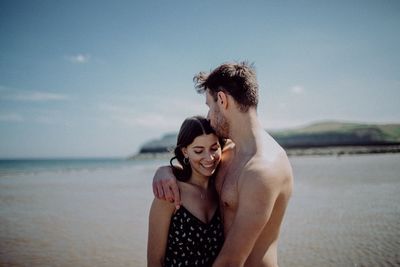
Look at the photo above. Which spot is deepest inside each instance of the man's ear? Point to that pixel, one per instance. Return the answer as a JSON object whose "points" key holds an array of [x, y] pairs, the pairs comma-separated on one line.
{"points": [[222, 99]]}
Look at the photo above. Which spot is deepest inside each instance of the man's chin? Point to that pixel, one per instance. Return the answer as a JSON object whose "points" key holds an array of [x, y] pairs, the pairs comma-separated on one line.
{"points": [[222, 134], [220, 131]]}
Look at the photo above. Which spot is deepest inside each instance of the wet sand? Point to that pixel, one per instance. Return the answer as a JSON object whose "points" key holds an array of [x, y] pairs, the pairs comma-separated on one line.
{"points": [[344, 212]]}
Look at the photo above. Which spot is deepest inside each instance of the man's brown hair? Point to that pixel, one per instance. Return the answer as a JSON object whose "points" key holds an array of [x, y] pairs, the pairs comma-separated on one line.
{"points": [[236, 79]]}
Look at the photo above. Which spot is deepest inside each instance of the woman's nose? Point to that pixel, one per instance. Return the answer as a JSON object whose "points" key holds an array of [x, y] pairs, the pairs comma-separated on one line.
{"points": [[211, 156]]}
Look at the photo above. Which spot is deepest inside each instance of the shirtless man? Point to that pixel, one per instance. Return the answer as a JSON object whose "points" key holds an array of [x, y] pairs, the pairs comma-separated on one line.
{"points": [[254, 180]]}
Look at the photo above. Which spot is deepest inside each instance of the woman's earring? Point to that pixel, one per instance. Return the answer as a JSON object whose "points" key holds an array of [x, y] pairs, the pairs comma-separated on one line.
{"points": [[186, 161]]}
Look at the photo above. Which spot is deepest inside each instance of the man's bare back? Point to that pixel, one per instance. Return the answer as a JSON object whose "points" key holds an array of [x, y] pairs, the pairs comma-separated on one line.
{"points": [[271, 163]]}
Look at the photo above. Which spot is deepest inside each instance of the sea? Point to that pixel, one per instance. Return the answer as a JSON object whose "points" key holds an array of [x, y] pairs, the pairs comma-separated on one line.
{"points": [[344, 211]]}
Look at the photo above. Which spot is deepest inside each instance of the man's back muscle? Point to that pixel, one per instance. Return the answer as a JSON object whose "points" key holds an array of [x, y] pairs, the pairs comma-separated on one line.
{"points": [[272, 165], [276, 173]]}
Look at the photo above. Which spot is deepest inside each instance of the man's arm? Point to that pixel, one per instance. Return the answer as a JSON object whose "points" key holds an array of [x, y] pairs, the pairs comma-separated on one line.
{"points": [[257, 194], [165, 186]]}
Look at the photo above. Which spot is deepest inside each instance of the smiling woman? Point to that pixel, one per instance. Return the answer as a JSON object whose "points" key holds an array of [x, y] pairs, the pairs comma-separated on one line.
{"points": [[203, 155], [195, 139], [193, 235]]}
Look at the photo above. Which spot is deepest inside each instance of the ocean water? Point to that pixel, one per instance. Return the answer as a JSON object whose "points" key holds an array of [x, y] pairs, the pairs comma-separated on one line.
{"points": [[33, 166], [344, 212]]}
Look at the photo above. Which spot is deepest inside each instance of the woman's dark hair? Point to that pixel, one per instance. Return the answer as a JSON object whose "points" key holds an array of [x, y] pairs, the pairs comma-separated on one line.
{"points": [[191, 128]]}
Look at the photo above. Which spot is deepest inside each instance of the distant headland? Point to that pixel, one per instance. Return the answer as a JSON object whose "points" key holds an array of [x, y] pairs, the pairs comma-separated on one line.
{"points": [[322, 138]]}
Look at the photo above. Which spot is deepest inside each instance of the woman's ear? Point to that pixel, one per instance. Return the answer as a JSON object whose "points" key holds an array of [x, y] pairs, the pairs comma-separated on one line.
{"points": [[222, 99], [184, 152]]}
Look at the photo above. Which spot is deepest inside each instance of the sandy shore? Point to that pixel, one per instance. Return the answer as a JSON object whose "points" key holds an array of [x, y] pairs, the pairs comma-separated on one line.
{"points": [[344, 212]]}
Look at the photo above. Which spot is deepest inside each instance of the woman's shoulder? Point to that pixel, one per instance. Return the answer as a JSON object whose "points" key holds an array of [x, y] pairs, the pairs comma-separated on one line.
{"points": [[186, 191], [160, 206], [184, 188]]}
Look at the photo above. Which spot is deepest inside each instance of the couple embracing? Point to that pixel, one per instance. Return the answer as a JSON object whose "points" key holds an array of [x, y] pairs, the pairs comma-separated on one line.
{"points": [[224, 202]]}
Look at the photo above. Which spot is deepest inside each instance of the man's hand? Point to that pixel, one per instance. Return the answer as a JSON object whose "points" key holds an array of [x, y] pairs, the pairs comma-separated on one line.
{"points": [[165, 186]]}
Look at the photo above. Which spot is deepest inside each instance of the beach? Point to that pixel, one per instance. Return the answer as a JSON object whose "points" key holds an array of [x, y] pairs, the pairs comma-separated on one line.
{"points": [[344, 212]]}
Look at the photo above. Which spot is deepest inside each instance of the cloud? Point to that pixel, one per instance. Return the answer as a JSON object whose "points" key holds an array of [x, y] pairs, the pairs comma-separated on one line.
{"points": [[147, 120], [190, 107], [152, 113], [30, 96], [282, 105], [78, 59], [116, 109], [44, 120], [11, 117], [297, 89], [132, 117]]}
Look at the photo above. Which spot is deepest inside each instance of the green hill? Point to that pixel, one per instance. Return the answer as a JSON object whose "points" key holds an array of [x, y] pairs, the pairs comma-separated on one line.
{"points": [[325, 134], [322, 134]]}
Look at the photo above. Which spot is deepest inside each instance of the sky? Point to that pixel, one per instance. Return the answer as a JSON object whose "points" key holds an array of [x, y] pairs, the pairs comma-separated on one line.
{"points": [[100, 78]]}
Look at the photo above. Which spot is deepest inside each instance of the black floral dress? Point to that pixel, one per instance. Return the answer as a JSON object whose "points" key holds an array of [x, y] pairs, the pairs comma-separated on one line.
{"points": [[192, 242]]}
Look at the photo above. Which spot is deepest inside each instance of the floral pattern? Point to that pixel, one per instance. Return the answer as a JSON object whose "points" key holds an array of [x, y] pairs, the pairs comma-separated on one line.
{"points": [[192, 242]]}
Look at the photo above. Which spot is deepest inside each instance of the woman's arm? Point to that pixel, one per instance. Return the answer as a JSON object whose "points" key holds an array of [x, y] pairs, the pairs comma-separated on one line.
{"points": [[159, 220]]}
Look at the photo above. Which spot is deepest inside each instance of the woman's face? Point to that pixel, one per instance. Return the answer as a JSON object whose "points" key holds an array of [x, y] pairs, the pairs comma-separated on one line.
{"points": [[204, 154]]}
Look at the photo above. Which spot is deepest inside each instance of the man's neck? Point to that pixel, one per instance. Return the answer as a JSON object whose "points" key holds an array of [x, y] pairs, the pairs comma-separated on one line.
{"points": [[246, 132]]}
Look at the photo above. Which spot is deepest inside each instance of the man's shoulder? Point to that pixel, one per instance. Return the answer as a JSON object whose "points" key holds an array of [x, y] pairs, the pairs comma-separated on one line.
{"points": [[229, 146], [267, 161], [266, 168], [227, 154]]}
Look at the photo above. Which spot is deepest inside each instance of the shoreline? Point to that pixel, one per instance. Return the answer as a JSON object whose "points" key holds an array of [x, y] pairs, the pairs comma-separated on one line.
{"points": [[99, 217], [310, 151]]}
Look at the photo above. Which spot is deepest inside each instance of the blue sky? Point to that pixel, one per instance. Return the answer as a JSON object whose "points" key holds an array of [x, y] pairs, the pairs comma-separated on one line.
{"points": [[100, 78]]}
